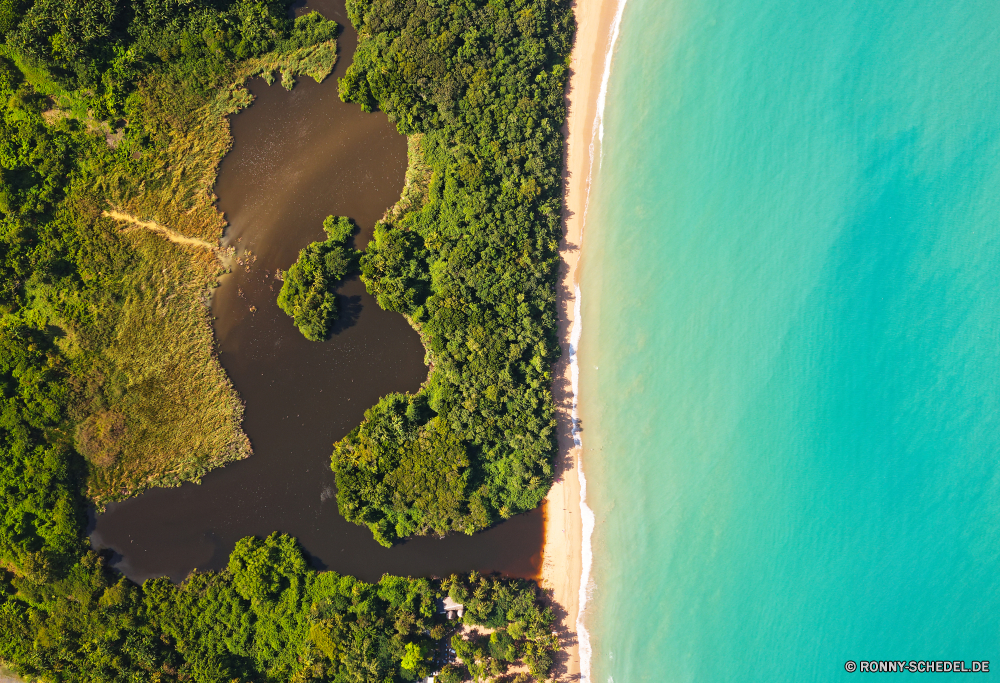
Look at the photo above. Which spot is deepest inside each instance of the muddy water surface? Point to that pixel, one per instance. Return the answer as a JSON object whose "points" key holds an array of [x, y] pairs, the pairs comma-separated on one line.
{"points": [[298, 157]]}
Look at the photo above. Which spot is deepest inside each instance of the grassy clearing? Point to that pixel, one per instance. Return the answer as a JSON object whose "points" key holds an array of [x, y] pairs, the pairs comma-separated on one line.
{"points": [[151, 404], [176, 412], [182, 415], [417, 183], [181, 173]]}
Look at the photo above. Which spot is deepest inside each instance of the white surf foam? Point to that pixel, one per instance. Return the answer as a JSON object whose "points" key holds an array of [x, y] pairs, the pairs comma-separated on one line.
{"points": [[605, 78], [587, 518]]}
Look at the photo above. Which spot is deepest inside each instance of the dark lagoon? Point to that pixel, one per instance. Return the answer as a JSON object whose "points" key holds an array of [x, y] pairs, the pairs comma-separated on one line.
{"points": [[298, 157]]}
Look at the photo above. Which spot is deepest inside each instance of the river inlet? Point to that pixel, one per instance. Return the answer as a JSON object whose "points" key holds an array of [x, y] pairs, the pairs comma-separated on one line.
{"points": [[298, 157]]}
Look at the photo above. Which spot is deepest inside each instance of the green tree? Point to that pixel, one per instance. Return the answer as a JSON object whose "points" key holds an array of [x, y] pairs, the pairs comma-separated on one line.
{"points": [[10, 14], [307, 292], [414, 656], [470, 257]]}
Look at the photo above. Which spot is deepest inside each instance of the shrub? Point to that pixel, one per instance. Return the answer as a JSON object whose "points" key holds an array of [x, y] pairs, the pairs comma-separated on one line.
{"points": [[307, 292]]}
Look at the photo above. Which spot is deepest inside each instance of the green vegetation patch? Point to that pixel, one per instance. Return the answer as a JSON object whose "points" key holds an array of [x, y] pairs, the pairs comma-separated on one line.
{"points": [[41, 513], [310, 50], [114, 109], [470, 255], [267, 617], [307, 293]]}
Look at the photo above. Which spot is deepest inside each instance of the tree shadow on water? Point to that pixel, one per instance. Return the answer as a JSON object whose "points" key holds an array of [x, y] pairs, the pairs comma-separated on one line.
{"points": [[349, 311]]}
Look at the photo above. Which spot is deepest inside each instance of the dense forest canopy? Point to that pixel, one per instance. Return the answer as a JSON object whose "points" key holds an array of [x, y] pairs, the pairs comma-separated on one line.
{"points": [[266, 617], [481, 85]]}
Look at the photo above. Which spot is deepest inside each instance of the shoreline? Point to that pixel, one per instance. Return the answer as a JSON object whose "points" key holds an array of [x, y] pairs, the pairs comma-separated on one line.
{"points": [[566, 555]]}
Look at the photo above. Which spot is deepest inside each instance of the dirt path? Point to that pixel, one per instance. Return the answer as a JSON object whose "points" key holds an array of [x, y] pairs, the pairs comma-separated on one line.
{"points": [[175, 237], [8, 676]]}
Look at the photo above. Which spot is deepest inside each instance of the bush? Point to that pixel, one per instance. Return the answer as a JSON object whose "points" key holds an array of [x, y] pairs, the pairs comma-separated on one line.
{"points": [[450, 674], [307, 293]]}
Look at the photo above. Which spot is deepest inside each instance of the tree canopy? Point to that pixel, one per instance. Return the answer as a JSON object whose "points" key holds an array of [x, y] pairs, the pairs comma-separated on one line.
{"points": [[266, 617], [473, 264], [307, 292]]}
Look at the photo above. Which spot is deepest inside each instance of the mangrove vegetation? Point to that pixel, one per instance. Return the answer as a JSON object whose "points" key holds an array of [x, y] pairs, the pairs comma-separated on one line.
{"points": [[307, 291], [266, 617], [471, 257]]}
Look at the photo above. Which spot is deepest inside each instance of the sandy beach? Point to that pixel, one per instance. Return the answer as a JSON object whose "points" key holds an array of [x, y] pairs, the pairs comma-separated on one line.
{"points": [[562, 555]]}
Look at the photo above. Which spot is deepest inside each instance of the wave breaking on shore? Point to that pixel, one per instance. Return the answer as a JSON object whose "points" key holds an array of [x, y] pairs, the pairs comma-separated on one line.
{"points": [[587, 517], [602, 94]]}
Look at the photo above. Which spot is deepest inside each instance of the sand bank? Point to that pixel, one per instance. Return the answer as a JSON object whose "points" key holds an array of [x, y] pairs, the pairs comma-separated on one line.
{"points": [[566, 555]]}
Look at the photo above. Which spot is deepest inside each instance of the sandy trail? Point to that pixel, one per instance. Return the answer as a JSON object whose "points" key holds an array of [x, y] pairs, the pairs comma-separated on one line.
{"points": [[152, 226]]}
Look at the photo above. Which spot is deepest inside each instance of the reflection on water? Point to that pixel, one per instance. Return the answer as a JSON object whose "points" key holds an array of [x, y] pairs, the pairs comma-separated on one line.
{"points": [[297, 157]]}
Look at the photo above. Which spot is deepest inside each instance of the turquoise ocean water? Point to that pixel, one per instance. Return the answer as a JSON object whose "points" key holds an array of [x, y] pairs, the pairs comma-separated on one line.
{"points": [[790, 362]]}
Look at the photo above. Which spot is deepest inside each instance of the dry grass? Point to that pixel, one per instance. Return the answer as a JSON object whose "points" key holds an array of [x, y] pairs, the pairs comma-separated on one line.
{"points": [[418, 180], [179, 192], [99, 437], [316, 61], [165, 412], [181, 413]]}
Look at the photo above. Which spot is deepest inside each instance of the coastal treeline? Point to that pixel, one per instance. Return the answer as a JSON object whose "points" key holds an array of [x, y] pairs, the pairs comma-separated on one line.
{"points": [[266, 617], [473, 264], [307, 291]]}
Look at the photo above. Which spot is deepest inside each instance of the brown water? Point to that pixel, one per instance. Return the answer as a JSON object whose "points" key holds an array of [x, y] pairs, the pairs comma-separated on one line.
{"points": [[298, 157]]}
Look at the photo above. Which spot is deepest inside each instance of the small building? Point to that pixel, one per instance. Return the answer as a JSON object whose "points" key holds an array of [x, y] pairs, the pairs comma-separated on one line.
{"points": [[451, 608]]}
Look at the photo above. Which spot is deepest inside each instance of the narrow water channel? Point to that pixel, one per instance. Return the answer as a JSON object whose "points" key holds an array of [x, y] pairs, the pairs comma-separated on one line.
{"points": [[298, 157]]}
